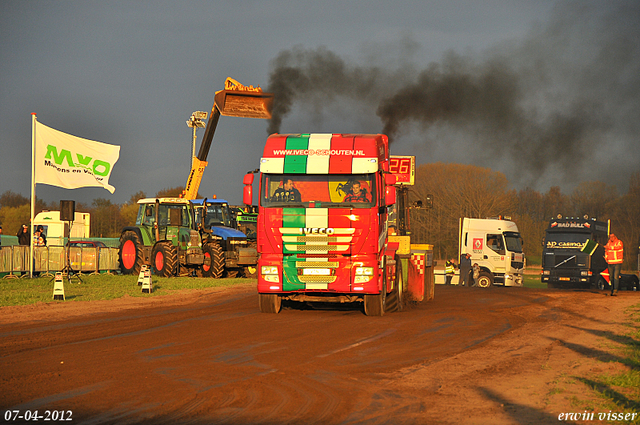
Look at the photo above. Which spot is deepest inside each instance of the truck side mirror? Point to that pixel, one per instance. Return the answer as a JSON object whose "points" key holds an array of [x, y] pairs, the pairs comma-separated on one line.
{"points": [[390, 179], [390, 195], [247, 193], [390, 189]]}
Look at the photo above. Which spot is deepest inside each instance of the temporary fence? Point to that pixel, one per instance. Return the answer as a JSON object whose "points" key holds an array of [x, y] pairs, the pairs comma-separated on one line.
{"points": [[14, 260]]}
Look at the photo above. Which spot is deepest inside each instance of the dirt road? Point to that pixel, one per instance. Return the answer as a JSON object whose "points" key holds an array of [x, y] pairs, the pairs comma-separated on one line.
{"points": [[209, 357]]}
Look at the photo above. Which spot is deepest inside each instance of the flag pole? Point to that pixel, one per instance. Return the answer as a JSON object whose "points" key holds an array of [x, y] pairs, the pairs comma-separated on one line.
{"points": [[33, 190]]}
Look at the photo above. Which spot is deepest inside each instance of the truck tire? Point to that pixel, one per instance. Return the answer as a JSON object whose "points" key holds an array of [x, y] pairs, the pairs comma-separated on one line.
{"points": [[395, 300], [270, 303], [164, 259], [602, 283], [485, 280], [213, 261], [130, 253], [374, 304]]}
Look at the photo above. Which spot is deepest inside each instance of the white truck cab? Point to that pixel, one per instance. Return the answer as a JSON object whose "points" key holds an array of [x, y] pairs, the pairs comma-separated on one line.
{"points": [[495, 245]]}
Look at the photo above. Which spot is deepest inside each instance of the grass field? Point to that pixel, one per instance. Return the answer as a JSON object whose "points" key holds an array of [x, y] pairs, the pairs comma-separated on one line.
{"points": [[98, 287]]}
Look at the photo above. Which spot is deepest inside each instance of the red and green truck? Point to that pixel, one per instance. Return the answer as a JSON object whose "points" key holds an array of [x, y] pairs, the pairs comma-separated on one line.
{"points": [[327, 224]]}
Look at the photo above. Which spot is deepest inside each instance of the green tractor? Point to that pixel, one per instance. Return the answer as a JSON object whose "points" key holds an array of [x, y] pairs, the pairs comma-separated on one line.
{"points": [[166, 238]]}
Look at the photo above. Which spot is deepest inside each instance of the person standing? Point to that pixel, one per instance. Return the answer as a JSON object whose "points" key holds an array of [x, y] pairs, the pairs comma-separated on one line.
{"points": [[449, 270], [476, 273], [614, 254], [42, 236], [465, 269], [23, 235]]}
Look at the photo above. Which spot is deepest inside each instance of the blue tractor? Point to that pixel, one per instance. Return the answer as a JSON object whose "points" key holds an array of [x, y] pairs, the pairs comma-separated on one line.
{"points": [[228, 248]]}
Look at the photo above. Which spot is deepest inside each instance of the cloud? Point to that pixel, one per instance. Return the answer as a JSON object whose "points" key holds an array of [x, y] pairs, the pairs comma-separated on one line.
{"points": [[558, 106]]}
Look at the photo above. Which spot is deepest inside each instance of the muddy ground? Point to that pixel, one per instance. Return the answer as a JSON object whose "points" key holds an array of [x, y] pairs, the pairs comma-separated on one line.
{"points": [[472, 356]]}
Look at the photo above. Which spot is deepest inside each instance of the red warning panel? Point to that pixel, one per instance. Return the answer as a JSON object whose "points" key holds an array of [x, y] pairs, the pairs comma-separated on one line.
{"points": [[404, 167]]}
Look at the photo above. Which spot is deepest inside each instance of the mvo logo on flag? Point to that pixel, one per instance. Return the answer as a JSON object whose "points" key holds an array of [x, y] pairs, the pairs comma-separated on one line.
{"points": [[71, 162]]}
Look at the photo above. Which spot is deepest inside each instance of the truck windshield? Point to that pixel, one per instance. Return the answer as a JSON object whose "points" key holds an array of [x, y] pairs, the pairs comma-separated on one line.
{"points": [[513, 240], [322, 190]]}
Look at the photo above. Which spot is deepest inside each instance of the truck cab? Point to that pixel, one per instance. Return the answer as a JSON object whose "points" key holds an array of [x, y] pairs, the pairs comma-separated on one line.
{"points": [[573, 252], [496, 245], [323, 223]]}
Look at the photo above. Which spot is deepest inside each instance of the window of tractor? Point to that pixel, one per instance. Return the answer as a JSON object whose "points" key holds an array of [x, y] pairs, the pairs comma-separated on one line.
{"points": [[217, 216], [332, 190]]}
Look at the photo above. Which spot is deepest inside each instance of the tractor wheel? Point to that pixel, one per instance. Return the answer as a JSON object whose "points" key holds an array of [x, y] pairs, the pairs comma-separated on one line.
{"points": [[251, 272], [485, 280], [130, 253], [395, 300], [164, 259], [231, 274], [213, 261], [270, 303]]}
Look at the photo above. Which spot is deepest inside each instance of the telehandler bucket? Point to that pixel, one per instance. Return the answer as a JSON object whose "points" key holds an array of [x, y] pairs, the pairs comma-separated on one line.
{"points": [[237, 100]]}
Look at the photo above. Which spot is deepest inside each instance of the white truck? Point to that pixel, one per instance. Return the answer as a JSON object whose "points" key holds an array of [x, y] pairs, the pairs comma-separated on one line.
{"points": [[56, 230], [496, 245]]}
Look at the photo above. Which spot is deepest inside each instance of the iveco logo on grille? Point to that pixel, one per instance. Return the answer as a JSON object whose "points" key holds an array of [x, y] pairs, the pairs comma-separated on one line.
{"points": [[318, 230]]}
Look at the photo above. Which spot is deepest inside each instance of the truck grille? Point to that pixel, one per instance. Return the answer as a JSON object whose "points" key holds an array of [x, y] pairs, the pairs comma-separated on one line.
{"points": [[564, 260], [315, 264], [317, 279]]}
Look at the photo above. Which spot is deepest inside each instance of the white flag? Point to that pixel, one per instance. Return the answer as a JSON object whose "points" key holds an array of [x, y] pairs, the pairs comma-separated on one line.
{"points": [[71, 162]]}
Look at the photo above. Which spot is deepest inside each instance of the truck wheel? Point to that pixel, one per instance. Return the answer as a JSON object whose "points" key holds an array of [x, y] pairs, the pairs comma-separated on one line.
{"points": [[164, 259], [130, 253], [395, 300], [485, 280], [270, 303], [251, 272], [213, 261], [602, 284]]}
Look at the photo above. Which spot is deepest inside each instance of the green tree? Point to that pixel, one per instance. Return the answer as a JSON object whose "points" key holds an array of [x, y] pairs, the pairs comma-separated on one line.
{"points": [[458, 191], [12, 218], [105, 219], [10, 199]]}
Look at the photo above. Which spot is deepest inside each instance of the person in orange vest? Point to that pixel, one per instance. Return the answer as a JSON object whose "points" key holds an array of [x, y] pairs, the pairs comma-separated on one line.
{"points": [[614, 253]]}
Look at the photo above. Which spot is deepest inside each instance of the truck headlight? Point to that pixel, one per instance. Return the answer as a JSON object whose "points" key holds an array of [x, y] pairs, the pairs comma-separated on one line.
{"points": [[545, 272], [364, 271], [363, 274], [265, 270], [270, 274]]}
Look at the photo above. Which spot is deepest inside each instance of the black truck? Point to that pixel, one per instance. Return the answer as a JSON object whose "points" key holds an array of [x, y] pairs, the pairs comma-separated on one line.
{"points": [[573, 255]]}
